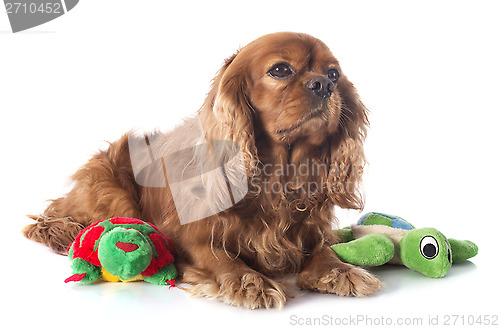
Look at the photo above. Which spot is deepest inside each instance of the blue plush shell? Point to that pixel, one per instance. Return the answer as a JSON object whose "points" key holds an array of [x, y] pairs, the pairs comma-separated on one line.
{"points": [[373, 218]]}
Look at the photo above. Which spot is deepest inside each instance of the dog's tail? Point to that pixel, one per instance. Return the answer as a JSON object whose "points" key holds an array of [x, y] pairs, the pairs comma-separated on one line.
{"points": [[55, 233]]}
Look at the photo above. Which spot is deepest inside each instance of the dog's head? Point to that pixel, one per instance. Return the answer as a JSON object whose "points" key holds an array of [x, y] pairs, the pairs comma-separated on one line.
{"points": [[296, 86], [289, 89]]}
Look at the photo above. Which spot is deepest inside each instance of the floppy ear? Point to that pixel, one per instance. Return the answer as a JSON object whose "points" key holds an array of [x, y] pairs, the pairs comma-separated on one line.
{"points": [[346, 150], [227, 114], [354, 114]]}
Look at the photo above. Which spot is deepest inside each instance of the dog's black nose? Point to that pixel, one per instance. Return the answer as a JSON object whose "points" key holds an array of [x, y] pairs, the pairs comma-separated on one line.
{"points": [[320, 86]]}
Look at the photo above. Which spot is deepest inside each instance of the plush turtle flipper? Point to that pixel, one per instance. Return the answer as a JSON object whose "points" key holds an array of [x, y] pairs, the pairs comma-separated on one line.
{"points": [[462, 250], [84, 272], [344, 234], [370, 250], [164, 276]]}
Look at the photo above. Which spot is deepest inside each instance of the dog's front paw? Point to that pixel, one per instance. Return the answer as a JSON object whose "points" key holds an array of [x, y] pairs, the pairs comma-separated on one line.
{"points": [[239, 288], [343, 281], [252, 290]]}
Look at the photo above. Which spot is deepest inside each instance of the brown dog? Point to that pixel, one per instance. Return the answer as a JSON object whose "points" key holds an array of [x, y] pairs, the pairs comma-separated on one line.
{"points": [[298, 126]]}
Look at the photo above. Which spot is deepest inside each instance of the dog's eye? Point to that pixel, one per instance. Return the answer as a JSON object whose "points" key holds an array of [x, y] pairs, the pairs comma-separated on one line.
{"points": [[333, 74], [280, 71]]}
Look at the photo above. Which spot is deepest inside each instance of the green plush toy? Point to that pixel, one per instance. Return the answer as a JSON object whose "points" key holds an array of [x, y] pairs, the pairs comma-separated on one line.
{"points": [[379, 238], [122, 250]]}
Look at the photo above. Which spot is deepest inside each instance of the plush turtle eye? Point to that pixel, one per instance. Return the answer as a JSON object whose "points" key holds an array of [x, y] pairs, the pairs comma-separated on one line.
{"points": [[280, 71], [448, 252], [429, 247]]}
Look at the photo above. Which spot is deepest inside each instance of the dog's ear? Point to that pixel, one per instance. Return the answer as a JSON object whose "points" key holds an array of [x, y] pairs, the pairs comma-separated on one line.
{"points": [[227, 115], [354, 114], [347, 158]]}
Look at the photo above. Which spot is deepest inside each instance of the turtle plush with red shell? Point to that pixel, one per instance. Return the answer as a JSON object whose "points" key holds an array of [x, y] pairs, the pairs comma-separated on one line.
{"points": [[122, 249]]}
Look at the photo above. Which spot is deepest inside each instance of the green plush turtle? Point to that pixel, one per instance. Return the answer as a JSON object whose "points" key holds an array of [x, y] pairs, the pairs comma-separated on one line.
{"points": [[379, 238], [122, 249]]}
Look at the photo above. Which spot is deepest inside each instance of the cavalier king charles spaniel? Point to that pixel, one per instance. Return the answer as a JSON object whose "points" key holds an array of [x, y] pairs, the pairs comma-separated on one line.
{"points": [[297, 125]]}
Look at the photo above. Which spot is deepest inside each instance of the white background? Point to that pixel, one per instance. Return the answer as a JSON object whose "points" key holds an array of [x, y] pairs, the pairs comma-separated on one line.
{"points": [[428, 71]]}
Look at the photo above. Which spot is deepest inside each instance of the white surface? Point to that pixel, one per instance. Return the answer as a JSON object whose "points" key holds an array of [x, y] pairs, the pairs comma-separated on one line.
{"points": [[427, 71]]}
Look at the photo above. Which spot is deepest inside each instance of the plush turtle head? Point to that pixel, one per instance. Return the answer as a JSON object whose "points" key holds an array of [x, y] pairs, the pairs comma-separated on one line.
{"points": [[124, 253], [427, 251]]}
